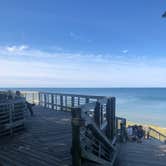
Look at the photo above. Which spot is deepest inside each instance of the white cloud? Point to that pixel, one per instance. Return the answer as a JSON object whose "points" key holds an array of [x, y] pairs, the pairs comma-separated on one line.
{"points": [[125, 51], [16, 49], [43, 68]]}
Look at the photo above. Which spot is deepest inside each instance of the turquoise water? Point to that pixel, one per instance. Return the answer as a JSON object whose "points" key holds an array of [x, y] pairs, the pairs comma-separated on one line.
{"points": [[144, 105]]}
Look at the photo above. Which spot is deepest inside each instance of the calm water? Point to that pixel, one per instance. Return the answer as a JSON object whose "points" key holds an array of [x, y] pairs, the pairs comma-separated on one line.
{"points": [[144, 105]]}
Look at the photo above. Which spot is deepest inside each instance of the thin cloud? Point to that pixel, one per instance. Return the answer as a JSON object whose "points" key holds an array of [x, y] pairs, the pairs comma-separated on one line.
{"points": [[25, 51], [125, 51], [74, 36], [46, 68], [78, 37], [16, 49]]}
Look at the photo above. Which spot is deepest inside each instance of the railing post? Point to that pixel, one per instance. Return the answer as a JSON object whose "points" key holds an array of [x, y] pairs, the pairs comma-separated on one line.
{"points": [[56, 102], [76, 149], [97, 114], [101, 115], [113, 101], [78, 101], [39, 98], [108, 117], [33, 97], [66, 105], [52, 101], [87, 100], [72, 101], [45, 100], [61, 102], [110, 108], [123, 130]]}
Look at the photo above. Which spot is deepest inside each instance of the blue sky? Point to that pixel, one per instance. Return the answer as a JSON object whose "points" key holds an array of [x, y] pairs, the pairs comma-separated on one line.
{"points": [[64, 43]]}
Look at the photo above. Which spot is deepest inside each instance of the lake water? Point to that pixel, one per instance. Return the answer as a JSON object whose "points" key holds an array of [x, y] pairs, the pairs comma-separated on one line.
{"points": [[142, 105]]}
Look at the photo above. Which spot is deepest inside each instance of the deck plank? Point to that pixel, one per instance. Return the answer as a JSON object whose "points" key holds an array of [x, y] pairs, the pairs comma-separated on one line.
{"points": [[46, 141], [148, 153]]}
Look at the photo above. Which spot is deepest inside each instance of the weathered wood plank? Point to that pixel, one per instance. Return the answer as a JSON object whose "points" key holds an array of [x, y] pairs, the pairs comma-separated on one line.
{"points": [[149, 153], [46, 141]]}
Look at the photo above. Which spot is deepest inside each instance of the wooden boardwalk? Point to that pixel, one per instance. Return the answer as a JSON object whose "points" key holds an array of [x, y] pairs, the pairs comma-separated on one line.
{"points": [[46, 141], [149, 153]]}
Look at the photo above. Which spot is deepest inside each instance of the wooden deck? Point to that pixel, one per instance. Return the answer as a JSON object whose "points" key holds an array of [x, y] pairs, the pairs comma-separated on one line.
{"points": [[46, 141], [149, 153]]}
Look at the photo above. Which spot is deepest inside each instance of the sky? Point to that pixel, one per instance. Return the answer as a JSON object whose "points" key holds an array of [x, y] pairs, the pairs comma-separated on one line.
{"points": [[82, 43]]}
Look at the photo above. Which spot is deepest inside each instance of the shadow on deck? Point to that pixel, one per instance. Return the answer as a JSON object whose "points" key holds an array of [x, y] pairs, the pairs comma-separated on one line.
{"points": [[148, 153], [46, 141]]}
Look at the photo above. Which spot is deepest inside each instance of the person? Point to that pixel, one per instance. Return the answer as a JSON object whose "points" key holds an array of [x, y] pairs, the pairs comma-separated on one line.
{"points": [[129, 132], [135, 131], [147, 132], [18, 93], [29, 106], [140, 134]]}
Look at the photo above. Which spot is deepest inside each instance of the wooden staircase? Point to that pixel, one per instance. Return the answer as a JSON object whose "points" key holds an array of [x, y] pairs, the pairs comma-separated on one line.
{"points": [[96, 132]]}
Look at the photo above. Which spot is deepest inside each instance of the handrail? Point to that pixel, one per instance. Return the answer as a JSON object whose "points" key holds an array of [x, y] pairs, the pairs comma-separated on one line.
{"points": [[14, 101], [90, 141], [156, 134], [121, 129], [12, 116], [78, 95], [94, 124], [59, 101], [34, 96], [31, 96], [91, 121]]}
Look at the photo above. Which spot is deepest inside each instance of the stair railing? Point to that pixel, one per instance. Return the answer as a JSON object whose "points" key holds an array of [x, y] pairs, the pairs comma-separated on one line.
{"points": [[156, 135], [95, 129], [121, 129], [94, 133]]}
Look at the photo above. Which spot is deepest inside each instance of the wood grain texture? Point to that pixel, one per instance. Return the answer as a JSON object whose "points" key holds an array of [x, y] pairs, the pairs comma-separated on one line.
{"points": [[149, 153], [46, 141]]}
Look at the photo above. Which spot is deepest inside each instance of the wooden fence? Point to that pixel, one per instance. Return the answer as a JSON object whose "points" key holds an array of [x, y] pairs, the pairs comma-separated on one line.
{"points": [[121, 129], [95, 127], [95, 132], [64, 102], [156, 135], [58, 101], [11, 116], [31, 96]]}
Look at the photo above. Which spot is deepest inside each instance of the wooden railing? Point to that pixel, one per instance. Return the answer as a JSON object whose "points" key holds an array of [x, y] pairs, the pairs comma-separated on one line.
{"points": [[58, 101], [95, 128], [64, 102], [121, 129], [31, 96], [156, 135], [94, 133], [11, 116]]}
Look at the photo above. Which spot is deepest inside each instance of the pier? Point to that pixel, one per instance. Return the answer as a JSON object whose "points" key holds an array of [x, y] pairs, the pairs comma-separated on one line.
{"points": [[78, 130]]}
